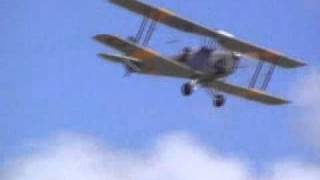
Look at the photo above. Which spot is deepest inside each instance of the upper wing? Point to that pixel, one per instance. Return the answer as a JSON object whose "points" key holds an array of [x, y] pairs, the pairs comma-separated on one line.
{"points": [[225, 39], [249, 94], [151, 62]]}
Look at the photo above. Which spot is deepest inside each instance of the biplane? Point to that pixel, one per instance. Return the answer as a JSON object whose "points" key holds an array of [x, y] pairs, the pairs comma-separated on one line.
{"points": [[205, 67]]}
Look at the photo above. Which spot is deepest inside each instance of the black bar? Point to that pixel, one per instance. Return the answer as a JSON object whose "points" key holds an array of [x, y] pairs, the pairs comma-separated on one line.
{"points": [[256, 74], [150, 31], [268, 77], [141, 29]]}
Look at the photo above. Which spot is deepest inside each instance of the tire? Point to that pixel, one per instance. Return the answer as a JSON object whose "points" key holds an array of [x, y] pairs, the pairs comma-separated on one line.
{"points": [[187, 89], [219, 101]]}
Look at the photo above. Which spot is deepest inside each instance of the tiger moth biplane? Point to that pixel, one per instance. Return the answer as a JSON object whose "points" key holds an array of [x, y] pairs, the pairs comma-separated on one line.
{"points": [[205, 67]]}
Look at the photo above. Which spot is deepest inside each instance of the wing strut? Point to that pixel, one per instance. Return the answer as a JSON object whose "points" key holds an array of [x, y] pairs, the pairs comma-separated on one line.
{"points": [[256, 75], [267, 78], [150, 32], [141, 30], [145, 31]]}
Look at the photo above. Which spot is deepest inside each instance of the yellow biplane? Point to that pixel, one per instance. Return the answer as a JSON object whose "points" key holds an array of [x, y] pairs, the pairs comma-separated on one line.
{"points": [[205, 67]]}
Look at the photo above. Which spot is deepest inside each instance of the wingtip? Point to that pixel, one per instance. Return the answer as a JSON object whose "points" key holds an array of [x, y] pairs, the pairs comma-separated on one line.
{"points": [[296, 63], [285, 102], [279, 102], [100, 55], [302, 64], [99, 37], [299, 64], [104, 38]]}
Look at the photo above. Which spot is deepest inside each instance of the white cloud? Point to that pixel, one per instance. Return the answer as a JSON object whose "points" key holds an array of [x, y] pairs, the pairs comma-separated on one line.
{"points": [[174, 157], [308, 93], [295, 171]]}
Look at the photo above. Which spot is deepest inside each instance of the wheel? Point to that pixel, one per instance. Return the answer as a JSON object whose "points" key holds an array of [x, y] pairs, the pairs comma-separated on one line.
{"points": [[187, 89], [219, 101]]}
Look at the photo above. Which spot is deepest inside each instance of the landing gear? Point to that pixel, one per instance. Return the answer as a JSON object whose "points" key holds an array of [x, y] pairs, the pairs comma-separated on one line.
{"points": [[187, 89], [219, 100]]}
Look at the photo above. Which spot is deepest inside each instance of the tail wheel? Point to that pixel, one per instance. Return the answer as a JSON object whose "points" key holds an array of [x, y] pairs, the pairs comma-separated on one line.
{"points": [[219, 101], [187, 89]]}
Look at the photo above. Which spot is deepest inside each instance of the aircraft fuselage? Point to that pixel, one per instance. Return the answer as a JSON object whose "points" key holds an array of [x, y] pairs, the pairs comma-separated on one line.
{"points": [[219, 63]]}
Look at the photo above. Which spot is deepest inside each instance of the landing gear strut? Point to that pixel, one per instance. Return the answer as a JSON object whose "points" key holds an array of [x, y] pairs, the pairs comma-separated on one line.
{"points": [[218, 99], [187, 89]]}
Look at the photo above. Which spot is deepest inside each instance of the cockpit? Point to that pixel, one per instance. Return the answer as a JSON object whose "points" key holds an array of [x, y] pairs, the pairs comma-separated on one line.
{"points": [[187, 52]]}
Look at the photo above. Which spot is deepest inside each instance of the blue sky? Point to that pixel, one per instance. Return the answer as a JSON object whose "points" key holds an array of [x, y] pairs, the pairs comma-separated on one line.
{"points": [[51, 80]]}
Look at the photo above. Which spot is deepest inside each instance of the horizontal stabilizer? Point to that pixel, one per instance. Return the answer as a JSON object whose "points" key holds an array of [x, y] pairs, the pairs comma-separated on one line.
{"points": [[118, 58], [129, 61]]}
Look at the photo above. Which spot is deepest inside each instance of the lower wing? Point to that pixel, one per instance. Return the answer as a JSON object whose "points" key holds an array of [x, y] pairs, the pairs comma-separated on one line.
{"points": [[249, 94]]}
